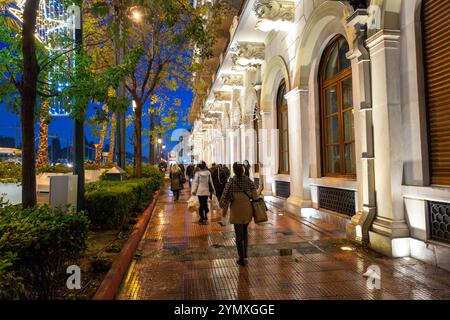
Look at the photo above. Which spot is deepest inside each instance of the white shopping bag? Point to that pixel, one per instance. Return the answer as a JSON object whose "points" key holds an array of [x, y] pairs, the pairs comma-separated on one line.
{"points": [[225, 219], [215, 203], [193, 203]]}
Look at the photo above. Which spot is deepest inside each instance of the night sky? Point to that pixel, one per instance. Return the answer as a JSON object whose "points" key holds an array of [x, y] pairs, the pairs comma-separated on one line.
{"points": [[63, 126]]}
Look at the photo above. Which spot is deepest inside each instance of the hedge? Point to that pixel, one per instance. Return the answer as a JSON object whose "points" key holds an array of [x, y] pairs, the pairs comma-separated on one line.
{"points": [[11, 284], [148, 171], [36, 246], [10, 172], [109, 203]]}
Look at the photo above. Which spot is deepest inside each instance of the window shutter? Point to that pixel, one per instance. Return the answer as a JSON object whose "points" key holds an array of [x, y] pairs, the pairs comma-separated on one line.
{"points": [[436, 25]]}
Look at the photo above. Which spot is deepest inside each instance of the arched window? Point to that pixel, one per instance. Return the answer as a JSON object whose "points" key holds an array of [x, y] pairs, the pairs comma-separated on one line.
{"points": [[436, 31], [337, 112], [282, 120]]}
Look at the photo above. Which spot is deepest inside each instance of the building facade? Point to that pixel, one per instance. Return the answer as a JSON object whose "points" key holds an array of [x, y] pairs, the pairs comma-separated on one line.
{"points": [[344, 108]]}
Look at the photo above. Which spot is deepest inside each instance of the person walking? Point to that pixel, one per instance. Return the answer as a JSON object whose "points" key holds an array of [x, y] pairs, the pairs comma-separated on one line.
{"points": [[190, 172], [219, 178], [175, 176], [247, 168], [203, 187], [227, 171], [237, 195]]}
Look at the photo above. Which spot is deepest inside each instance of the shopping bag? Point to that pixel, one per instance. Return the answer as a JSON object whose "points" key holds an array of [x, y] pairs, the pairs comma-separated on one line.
{"points": [[193, 203], [215, 203], [259, 211], [225, 219]]}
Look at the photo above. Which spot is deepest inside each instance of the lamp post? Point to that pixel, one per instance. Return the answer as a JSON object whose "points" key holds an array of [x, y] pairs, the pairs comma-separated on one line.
{"points": [[133, 13], [78, 133], [159, 149], [162, 153]]}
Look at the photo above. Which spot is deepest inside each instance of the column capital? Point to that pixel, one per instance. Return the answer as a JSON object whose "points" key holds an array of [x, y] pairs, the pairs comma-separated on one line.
{"points": [[296, 92], [389, 38]]}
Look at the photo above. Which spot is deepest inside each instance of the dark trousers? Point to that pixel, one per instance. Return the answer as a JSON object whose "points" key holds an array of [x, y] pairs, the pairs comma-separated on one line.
{"points": [[219, 194], [203, 209], [241, 231], [176, 194]]}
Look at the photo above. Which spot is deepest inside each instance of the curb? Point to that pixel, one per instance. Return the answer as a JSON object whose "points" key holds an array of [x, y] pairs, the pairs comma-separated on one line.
{"points": [[111, 283]]}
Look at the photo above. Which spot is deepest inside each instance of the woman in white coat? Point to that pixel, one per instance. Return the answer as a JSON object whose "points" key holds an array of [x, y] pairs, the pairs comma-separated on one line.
{"points": [[202, 186]]}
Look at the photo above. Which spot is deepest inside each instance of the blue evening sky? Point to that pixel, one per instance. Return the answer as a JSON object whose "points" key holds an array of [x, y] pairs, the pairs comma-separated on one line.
{"points": [[63, 126]]}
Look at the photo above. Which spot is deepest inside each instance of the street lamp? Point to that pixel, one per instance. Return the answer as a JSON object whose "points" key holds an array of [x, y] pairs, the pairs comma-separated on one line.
{"points": [[134, 13]]}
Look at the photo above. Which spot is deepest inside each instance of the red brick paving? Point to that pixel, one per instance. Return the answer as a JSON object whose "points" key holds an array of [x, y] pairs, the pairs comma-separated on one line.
{"points": [[179, 259]]}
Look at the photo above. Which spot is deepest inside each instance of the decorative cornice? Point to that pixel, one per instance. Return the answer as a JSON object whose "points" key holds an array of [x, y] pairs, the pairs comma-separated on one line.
{"points": [[274, 14], [247, 54], [233, 80]]}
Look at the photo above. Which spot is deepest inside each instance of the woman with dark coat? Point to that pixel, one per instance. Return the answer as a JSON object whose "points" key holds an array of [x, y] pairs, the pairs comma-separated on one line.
{"points": [[238, 193], [247, 168], [175, 176]]}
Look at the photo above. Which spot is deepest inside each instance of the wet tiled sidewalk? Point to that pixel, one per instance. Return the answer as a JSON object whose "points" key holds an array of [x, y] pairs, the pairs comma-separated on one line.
{"points": [[289, 258]]}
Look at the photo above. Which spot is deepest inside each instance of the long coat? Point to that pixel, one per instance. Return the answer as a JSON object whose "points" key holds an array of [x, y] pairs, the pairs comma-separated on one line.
{"points": [[237, 195], [241, 210], [175, 183]]}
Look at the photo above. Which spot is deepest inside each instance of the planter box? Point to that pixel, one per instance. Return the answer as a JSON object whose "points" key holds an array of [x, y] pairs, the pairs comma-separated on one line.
{"points": [[43, 181], [93, 175], [12, 192]]}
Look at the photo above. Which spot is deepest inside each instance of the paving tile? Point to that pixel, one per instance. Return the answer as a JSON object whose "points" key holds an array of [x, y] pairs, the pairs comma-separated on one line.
{"points": [[289, 259]]}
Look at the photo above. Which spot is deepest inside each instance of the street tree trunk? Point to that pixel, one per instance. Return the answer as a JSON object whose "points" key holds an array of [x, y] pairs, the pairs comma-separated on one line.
{"points": [[112, 139], [138, 142], [28, 103], [43, 135], [99, 150]]}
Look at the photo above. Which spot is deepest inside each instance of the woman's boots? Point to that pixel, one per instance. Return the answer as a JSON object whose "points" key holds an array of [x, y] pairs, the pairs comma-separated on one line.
{"points": [[242, 252]]}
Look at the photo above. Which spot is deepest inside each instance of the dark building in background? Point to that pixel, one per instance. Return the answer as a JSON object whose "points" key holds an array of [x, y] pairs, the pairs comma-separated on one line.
{"points": [[7, 142]]}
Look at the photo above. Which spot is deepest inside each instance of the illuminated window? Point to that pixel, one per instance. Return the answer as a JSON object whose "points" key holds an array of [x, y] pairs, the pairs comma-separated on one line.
{"points": [[282, 119], [338, 134]]}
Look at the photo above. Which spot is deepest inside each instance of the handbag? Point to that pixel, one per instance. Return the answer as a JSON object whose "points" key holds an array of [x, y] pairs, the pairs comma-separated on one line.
{"points": [[259, 209]]}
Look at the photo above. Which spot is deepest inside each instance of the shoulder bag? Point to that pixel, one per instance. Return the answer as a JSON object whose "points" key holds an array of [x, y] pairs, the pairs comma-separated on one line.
{"points": [[259, 209]]}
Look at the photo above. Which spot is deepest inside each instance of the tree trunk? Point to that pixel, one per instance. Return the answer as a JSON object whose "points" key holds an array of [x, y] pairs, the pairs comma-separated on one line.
{"points": [[43, 135], [99, 150], [28, 103], [138, 142], [112, 139]]}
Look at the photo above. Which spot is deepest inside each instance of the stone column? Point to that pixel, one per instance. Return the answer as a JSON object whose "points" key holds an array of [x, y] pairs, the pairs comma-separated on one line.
{"points": [[298, 150], [389, 234], [266, 152]]}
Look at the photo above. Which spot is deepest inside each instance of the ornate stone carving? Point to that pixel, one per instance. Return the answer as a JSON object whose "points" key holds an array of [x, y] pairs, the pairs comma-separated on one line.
{"points": [[274, 14], [233, 80], [275, 10], [222, 96], [247, 54]]}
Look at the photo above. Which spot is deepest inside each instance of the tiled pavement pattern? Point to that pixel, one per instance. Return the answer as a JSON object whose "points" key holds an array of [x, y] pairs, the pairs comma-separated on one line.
{"points": [[290, 258]]}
